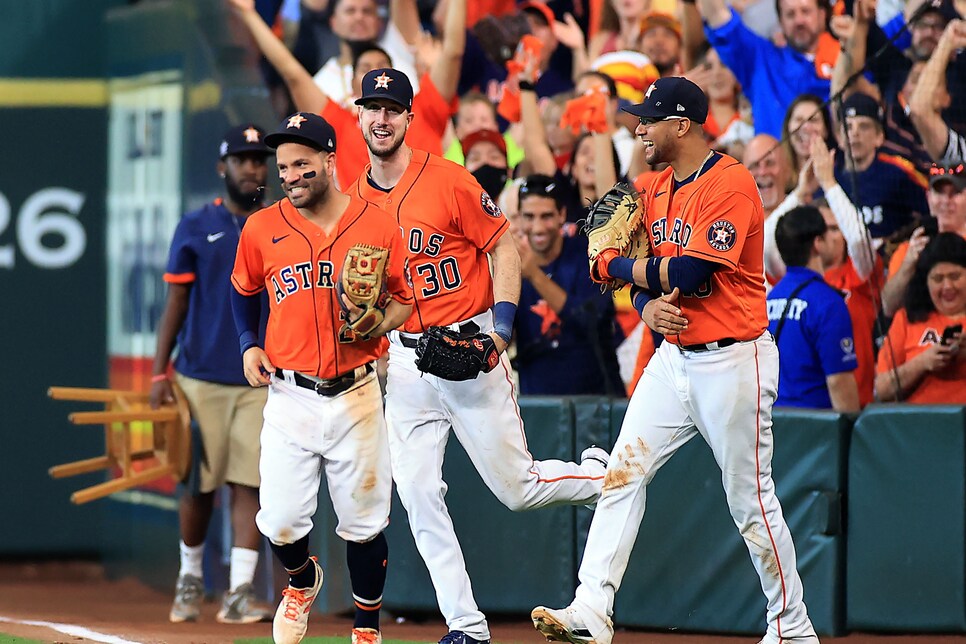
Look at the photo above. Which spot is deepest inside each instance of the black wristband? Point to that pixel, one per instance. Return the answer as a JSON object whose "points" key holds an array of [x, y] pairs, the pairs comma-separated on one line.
{"points": [[526, 86]]}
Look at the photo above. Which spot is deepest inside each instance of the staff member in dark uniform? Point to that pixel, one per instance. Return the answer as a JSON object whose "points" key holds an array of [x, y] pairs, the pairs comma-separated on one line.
{"points": [[565, 329]]}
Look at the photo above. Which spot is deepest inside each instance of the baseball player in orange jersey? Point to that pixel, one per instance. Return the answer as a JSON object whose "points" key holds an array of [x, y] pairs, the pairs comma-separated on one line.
{"points": [[324, 409], [451, 226], [716, 373]]}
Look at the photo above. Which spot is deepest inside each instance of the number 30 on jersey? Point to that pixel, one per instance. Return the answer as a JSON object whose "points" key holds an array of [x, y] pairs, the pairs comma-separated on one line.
{"points": [[439, 273]]}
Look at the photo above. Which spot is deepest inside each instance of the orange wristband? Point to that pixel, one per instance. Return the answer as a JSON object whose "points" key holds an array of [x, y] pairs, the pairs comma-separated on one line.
{"points": [[161, 377]]}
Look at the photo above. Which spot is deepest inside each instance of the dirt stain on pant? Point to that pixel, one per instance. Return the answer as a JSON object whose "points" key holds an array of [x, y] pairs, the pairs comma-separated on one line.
{"points": [[762, 548], [630, 465]]}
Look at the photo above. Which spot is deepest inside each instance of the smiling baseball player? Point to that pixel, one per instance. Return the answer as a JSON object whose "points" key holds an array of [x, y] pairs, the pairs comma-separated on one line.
{"points": [[324, 411], [716, 375], [459, 327]]}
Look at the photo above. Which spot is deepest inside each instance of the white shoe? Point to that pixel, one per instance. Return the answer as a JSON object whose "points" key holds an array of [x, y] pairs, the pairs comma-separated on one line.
{"points": [[292, 616], [806, 639], [593, 456], [366, 636], [565, 625], [596, 459]]}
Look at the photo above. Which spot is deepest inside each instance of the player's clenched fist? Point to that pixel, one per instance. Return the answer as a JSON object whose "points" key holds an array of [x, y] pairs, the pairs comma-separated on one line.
{"points": [[258, 368], [663, 316]]}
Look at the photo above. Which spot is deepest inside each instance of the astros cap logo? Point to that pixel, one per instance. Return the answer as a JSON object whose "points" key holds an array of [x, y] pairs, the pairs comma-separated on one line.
{"points": [[251, 135], [650, 89], [296, 121], [383, 81]]}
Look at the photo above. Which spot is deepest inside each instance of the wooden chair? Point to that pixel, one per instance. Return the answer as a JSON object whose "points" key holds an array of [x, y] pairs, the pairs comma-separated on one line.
{"points": [[133, 433]]}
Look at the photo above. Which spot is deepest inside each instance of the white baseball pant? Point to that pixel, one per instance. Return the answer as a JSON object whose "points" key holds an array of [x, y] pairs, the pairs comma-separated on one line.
{"points": [[726, 396], [483, 413], [344, 435]]}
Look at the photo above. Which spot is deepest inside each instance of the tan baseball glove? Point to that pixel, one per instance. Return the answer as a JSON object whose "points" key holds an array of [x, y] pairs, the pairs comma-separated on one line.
{"points": [[615, 228], [363, 282]]}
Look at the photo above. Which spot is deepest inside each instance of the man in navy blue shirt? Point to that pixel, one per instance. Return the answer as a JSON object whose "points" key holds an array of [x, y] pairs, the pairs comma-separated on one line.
{"points": [[810, 320], [197, 319], [565, 328], [888, 190]]}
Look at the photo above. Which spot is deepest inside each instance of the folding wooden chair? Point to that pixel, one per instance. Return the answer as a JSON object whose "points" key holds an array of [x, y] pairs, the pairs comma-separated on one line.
{"points": [[133, 434]]}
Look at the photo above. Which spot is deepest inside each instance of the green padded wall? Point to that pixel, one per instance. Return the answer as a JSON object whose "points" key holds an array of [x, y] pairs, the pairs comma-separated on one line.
{"points": [[907, 529], [514, 559], [690, 569]]}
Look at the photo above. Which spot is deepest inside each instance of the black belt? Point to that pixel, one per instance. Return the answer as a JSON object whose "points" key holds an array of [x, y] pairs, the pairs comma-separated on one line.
{"points": [[328, 388], [409, 340], [710, 346]]}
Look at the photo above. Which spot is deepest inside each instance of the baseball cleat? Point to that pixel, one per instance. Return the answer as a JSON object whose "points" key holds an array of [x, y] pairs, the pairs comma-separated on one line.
{"points": [[366, 636], [240, 607], [292, 617], [805, 639], [595, 455], [187, 599], [565, 625], [459, 637], [596, 458]]}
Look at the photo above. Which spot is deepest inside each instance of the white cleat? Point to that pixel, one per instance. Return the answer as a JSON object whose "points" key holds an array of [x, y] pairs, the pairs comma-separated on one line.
{"points": [[565, 625], [292, 616], [805, 639], [595, 456], [366, 636]]}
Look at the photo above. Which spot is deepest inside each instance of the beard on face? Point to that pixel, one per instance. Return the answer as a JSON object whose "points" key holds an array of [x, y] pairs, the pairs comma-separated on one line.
{"points": [[383, 153], [244, 199], [317, 192]]}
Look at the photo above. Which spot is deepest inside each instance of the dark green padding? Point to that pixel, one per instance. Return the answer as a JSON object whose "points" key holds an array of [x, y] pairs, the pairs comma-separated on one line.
{"points": [[690, 569], [513, 558], [905, 566]]}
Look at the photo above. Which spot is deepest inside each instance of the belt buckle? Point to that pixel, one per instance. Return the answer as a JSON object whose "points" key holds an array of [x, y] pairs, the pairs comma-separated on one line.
{"points": [[318, 387]]}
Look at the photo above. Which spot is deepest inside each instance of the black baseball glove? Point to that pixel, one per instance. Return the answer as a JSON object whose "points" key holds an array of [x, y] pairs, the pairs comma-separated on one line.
{"points": [[452, 355]]}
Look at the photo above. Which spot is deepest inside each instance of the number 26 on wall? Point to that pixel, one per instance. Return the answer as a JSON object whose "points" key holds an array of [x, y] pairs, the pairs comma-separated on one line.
{"points": [[51, 212]]}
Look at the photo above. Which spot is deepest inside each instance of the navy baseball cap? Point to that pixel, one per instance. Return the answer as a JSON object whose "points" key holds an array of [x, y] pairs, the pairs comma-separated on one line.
{"points": [[672, 96], [243, 138], [859, 104], [305, 128], [387, 83]]}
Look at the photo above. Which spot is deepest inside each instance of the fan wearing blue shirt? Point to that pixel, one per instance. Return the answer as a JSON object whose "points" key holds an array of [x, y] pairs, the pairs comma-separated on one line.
{"points": [[810, 320], [772, 76], [565, 327], [888, 190], [197, 318]]}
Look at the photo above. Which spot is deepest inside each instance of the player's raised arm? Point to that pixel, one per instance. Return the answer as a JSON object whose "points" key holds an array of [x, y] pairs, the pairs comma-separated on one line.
{"points": [[307, 95]]}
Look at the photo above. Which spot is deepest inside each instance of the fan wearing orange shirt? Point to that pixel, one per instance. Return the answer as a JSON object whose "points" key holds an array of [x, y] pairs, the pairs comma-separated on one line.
{"points": [[715, 375], [923, 359], [324, 411], [455, 234], [433, 106]]}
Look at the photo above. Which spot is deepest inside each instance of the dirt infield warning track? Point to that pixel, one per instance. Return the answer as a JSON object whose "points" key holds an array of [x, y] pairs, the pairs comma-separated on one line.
{"points": [[70, 603]]}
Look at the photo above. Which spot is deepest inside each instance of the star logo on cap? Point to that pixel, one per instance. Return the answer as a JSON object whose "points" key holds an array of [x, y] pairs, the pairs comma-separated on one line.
{"points": [[382, 81], [251, 135], [650, 89], [296, 121]]}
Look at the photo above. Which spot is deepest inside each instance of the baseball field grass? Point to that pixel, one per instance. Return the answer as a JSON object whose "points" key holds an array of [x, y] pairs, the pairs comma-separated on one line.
{"points": [[314, 640]]}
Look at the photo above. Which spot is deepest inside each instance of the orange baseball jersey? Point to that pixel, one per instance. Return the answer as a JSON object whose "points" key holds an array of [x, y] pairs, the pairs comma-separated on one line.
{"points": [[863, 309], [909, 339], [449, 224], [431, 114], [297, 263], [717, 217]]}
